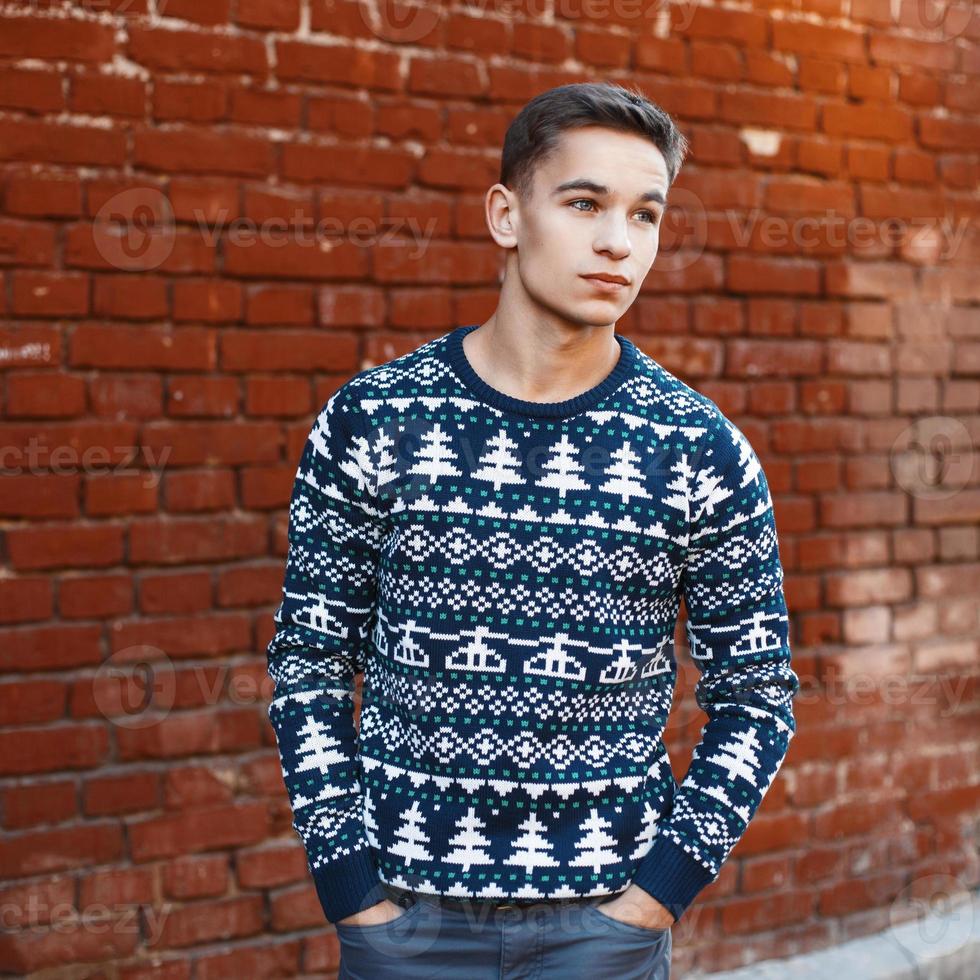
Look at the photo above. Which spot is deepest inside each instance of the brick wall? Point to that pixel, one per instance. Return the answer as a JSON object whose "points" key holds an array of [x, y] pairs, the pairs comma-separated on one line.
{"points": [[212, 213]]}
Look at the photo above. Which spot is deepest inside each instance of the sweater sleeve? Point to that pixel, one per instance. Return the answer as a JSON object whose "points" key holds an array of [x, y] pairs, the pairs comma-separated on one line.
{"points": [[322, 631], [738, 631]]}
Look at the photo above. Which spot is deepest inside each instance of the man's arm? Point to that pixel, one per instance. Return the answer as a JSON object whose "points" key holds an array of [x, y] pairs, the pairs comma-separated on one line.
{"points": [[322, 630], [738, 630]]}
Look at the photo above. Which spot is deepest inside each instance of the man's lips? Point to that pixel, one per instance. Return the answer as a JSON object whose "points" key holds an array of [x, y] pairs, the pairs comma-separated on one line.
{"points": [[604, 284]]}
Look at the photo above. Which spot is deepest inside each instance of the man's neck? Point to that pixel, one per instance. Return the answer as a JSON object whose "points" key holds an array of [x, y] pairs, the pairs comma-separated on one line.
{"points": [[541, 363]]}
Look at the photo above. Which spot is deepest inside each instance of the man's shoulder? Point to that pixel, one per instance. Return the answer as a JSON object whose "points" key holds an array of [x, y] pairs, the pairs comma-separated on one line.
{"points": [[410, 372], [663, 393], [714, 440]]}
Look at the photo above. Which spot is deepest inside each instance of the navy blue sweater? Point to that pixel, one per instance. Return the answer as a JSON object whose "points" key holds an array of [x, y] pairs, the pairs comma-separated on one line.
{"points": [[507, 574]]}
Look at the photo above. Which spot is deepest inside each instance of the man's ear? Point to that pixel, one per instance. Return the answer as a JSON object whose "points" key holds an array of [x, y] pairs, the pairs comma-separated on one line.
{"points": [[502, 215]]}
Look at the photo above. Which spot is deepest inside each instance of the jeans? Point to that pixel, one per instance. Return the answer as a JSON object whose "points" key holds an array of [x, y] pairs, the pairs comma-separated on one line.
{"points": [[460, 940]]}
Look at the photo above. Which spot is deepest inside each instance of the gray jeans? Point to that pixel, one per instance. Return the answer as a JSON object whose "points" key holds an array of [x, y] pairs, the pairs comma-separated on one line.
{"points": [[474, 941]]}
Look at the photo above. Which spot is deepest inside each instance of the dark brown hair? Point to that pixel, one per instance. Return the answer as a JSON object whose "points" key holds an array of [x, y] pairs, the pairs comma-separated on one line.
{"points": [[536, 130]]}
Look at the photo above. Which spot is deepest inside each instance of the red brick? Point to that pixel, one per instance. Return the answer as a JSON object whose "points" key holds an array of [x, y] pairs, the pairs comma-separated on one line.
{"points": [[295, 908], [31, 90], [774, 358], [196, 877], [194, 491], [130, 296], [32, 702], [271, 867], [202, 151], [602, 49], [273, 15], [175, 592], [161, 348], [211, 12], [207, 301], [203, 922], [480, 35], [45, 394], [834, 42], [270, 960], [26, 750], [95, 596], [116, 887], [33, 140], [107, 95], [25, 599], [89, 939], [281, 397], [284, 305], [193, 101], [38, 902], [867, 122], [758, 274], [43, 195], [49, 39], [266, 107], [301, 61], [131, 396], [195, 830], [174, 542], [744, 27], [46, 851], [194, 786], [52, 646], [548, 43], [39, 803], [25, 244], [128, 792], [381, 167], [251, 586], [114, 494], [196, 51], [185, 733]]}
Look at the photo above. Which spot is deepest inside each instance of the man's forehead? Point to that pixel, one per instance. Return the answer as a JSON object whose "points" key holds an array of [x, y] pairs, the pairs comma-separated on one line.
{"points": [[647, 170]]}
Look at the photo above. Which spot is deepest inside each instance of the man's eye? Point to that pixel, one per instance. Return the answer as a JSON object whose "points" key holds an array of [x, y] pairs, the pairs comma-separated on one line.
{"points": [[581, 200], [653, 217]]}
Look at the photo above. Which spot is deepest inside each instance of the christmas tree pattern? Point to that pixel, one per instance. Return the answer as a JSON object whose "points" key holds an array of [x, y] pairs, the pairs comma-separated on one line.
{"points": [[469, 848], [563, 468], [625, 478], [498, 464], [410, 836], [595, 847], [435, 457], [532, 850]]}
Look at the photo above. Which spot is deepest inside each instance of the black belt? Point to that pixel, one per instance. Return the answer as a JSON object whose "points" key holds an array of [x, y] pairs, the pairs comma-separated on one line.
{"points": [[450, 901]]}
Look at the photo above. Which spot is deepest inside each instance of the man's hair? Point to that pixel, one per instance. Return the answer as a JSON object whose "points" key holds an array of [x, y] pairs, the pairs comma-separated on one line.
{"points": [[536, 131]]}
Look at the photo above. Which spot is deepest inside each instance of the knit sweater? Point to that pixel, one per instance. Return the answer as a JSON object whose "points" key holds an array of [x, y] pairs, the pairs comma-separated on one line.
{"points": [[507, 575]]}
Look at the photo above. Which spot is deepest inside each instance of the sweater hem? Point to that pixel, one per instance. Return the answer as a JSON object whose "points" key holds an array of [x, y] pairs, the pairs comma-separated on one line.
{"points": [[348, 886], [671, 876]]}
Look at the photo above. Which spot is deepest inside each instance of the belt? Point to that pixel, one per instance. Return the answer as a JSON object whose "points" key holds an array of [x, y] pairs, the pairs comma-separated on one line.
{"points": [[450, 901], [496, 904]]}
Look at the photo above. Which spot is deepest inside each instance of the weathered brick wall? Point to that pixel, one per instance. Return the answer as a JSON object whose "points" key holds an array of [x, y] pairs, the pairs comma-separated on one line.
{"points": [[213, 213]]}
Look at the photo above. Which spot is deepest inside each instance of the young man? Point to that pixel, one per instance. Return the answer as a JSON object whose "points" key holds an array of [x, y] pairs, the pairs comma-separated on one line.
{"points": [[497, 529]]}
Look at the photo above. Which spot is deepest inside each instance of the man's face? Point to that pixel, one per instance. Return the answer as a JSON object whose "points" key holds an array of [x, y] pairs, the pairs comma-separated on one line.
{"points": [[595, 206]]}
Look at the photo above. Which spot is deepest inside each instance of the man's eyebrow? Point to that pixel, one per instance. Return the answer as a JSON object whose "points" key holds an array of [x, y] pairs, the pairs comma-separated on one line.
{"points": [[584, 184]]}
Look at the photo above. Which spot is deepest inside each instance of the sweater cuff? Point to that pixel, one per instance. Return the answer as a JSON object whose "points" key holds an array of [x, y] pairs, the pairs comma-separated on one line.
{"points": [[671, 876], [348, 886]]}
